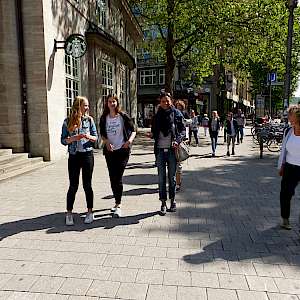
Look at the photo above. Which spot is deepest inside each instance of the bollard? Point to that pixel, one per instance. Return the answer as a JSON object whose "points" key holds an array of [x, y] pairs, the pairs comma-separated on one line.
{"points": [[261, 146]]}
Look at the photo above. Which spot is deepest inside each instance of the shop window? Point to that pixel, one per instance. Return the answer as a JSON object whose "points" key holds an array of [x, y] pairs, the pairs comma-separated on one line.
{"points": [[73, 86], [123, 86], [107, 79]]}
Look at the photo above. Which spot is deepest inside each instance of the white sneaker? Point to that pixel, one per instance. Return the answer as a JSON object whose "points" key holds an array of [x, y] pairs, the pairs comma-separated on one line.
{"points": [[69, 220], [89, 218], [117, 213], [113, 209]]}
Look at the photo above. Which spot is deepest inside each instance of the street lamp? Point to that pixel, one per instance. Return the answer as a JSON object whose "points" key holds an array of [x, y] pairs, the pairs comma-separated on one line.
{"points": [[291, 5]]}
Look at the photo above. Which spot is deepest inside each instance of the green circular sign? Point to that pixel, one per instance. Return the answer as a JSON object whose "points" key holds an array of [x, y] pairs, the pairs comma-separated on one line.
{"points": [[75, 45]]}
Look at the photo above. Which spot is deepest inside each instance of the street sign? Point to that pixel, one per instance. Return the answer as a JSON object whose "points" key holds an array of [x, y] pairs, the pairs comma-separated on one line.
{"points": [[272, 77], [277, 83], [75, 45]]}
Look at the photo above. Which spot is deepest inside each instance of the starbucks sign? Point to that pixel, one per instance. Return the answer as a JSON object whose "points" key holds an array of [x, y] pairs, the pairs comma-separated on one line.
{"points": [[75, 45]]}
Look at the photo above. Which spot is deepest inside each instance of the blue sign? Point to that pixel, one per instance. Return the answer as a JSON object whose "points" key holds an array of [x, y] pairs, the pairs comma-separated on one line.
{"points": [[272, 77]]}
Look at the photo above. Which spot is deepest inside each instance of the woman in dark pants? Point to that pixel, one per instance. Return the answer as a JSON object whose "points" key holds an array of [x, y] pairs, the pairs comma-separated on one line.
{"points": [[117, 132], [214, 127], [289, 164], [79, 133]]}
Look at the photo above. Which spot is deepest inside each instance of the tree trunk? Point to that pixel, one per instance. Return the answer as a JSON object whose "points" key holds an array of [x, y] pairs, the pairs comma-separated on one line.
{"points": [[170, 69], [170, 43]]}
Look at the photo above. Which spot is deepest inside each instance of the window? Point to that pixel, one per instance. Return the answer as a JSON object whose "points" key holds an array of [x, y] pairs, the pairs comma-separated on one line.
{"points": [[122, 86], [101, 13], [162, 76], [107, 78], [148, 77], [72, 71]]}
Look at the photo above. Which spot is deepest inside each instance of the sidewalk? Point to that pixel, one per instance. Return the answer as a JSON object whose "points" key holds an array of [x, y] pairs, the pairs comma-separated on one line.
{"points": [[223, 243]]}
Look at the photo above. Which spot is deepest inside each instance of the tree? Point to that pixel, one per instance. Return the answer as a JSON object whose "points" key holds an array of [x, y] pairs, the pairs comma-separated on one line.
{"points": [[180, 24], [243, 35]]}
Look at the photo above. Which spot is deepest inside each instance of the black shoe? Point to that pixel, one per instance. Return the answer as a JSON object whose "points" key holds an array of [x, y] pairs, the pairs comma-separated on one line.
{"points": [[233, 153], [241, 141], [228, 153], [178, 187], [173, 206], [163, 209], [213, 155]]}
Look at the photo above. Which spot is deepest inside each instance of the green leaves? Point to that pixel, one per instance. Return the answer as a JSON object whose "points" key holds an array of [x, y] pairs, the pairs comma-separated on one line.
{"points": [[244, 34]]}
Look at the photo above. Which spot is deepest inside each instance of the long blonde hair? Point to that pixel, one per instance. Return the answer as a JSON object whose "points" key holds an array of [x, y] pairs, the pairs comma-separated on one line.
{"points": [[74, 119]]}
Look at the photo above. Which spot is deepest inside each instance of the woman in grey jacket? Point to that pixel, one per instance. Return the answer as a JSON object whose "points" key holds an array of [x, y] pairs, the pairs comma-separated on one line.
{"points": [[289, 164]]}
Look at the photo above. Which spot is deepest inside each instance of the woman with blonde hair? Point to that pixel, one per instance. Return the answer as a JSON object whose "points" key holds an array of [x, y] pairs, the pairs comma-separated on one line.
{"points": [[289, 164], [79, 133], [117, 133]]}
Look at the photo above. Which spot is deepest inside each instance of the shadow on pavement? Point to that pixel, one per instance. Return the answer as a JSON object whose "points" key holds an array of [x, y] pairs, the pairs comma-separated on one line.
{"points": [[233, 209], [55, 223], [131, 166], [140, 179], [135, 192]]}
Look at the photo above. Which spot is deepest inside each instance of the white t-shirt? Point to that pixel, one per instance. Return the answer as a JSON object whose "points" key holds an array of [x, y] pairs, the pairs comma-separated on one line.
{"points": [[293, 149], [114, 130]]}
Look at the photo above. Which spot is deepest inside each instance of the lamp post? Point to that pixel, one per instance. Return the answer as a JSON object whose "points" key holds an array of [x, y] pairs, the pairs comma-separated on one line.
{"points": [[291, 5]]}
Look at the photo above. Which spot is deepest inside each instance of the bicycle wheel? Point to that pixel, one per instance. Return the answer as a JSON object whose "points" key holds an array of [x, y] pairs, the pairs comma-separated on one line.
{"points": [[273, 145]]}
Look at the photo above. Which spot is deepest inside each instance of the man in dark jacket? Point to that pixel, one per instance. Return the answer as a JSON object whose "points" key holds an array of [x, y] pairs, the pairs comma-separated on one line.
{"points": [[231, 130]]}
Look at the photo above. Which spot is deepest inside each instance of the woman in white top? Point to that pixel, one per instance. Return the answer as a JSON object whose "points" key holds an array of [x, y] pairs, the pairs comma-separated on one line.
{"points": [[289, 164], [117, 132]]}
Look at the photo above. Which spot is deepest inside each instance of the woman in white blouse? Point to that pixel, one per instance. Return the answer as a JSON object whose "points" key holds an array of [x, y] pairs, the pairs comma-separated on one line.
{"points": [[289, 164]]}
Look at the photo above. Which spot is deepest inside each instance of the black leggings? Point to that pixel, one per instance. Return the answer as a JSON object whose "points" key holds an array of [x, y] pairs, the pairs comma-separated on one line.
{"points": [[195, 133], [116, 163], [84, 161], [289, 182]]}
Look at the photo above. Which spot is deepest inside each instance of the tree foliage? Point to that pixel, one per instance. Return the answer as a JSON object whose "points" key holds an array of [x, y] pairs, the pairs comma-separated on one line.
{"points": [[247, 36]]}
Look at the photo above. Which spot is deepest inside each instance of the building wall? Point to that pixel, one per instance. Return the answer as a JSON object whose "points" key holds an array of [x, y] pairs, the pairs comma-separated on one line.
{"points": [[34, 46], [45, 21], [11, 130], [60, 20]]}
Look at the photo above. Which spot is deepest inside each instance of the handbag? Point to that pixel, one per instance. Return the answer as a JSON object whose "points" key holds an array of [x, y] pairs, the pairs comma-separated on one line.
{"points": [[182, 152]]}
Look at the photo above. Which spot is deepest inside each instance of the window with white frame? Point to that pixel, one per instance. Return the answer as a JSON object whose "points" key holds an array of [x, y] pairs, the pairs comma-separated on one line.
{"points": [[148, 77], [123, 85], [72, 71], [162, 76], [101, 12], [107, 78]]}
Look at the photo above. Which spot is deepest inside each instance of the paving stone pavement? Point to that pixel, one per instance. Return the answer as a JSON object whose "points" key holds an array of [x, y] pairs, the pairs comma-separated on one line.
{"points": [[223, 243]]}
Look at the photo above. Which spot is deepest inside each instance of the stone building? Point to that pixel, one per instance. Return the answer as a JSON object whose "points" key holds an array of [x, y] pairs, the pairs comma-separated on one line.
{"points": [[38, 82]]}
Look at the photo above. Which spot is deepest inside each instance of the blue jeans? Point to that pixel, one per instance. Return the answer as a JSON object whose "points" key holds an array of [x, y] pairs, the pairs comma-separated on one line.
{"points": [[214, 140], [166, 158], [240, 133]]}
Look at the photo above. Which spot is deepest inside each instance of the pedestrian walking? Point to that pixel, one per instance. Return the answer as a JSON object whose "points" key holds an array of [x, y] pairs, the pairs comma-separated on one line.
{"points": [[289, 164], [241, 121], [180, 105], [231, 131], [204, 123], [117, 133], [168, 131], [79, 134], [214, 127], [193, 130]]}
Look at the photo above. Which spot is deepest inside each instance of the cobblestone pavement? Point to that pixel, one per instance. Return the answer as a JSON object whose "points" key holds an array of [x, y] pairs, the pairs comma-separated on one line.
{"points": [[224, 242]]}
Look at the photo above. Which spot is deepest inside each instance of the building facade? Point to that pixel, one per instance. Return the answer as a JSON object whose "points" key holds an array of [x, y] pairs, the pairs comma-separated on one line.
{"points": [[41, 81]]}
